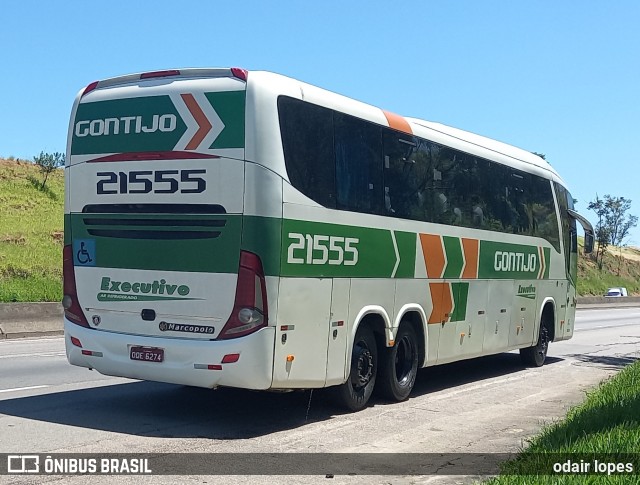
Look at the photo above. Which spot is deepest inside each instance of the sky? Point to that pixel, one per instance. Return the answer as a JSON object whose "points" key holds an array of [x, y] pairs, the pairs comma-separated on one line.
{"points": [[556, 77]]}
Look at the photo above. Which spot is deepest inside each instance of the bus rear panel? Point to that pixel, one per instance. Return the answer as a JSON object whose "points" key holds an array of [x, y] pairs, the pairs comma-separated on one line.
{"points": [[154, 266]]}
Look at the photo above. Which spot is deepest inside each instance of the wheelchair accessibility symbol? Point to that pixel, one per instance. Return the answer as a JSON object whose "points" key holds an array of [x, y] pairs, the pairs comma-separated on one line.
{"points": [[84, 252]]}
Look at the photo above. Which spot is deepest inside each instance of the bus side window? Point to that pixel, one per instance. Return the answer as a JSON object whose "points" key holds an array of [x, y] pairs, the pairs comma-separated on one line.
{"points": [[358, 157], [307, 140], [401, 179]]}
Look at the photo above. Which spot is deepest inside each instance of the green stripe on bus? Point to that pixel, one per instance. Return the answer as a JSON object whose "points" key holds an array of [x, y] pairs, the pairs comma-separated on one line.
{"points": [[453, 250], [263, 236], [230, 106], [547, 262], [406, 242], [286, 247], [499, 260], [460, 296], [323, 250]]}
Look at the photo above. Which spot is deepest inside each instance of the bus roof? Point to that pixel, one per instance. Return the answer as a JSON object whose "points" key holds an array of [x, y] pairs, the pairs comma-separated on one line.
{"points": [[272, 85], [498, 147], [468, 142]]}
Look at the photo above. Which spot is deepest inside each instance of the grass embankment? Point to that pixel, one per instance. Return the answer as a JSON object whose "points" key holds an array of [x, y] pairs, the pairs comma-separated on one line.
{"points": [[606, 424], [31, 233], [621, 267]]}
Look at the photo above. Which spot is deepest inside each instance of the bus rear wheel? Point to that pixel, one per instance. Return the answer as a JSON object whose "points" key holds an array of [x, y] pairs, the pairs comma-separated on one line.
{"points": [[536, 355], [399, 366], [355, 393]]}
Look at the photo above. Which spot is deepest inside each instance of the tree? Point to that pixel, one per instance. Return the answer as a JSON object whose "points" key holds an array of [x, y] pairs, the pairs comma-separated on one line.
{"points": [[48, 162], [613, 222], [617, 220], [601, 230]]}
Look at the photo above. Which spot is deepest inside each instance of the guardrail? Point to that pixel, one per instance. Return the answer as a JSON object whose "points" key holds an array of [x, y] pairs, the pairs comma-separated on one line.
{"points": [[604, 300], [42, 319]]}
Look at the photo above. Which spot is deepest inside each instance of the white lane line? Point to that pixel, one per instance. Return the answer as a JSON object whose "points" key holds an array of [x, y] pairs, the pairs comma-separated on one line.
{"points": [[15, 389], [43, 354]]}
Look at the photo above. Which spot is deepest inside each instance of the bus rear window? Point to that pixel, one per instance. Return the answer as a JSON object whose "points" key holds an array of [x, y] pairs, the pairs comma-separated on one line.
{"points": [[307, 139]]}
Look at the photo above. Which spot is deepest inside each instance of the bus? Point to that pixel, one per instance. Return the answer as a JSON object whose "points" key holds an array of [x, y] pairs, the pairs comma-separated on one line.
{"points": [[226, 228]]}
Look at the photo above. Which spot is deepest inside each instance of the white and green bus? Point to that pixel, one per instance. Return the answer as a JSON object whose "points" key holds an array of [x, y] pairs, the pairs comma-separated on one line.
{"points": [[245, 229]]}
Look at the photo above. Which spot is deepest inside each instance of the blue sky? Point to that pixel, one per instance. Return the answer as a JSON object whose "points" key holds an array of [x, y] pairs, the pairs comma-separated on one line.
{"points": [[556, 77]]}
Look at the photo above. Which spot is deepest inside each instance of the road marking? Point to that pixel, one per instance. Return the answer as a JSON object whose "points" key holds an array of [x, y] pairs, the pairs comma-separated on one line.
{"points": [[27, 340], [22, 388], [43, 354]]}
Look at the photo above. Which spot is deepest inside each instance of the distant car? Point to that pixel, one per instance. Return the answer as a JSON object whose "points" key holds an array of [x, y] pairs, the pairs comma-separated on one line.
{"points": [[616, 292]]}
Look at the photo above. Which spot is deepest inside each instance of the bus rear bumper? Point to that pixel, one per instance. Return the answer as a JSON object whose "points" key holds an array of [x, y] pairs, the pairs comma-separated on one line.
{"points": [[188, 362]]}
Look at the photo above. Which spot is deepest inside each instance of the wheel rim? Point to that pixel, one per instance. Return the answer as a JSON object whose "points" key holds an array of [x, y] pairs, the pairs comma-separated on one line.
{"points": [[363, 366], [405, 354]]}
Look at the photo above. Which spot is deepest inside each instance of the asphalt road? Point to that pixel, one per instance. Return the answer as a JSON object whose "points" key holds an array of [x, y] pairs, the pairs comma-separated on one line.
{"points": [[487, 405]]}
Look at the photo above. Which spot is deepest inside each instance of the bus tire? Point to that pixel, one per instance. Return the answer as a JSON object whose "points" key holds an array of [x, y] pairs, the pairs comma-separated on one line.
{"points": [[355, 393], [399, 365], [535, 356]]}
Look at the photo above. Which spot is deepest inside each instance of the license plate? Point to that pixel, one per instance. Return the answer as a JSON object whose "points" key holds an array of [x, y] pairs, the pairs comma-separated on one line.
{"points": [[147, 354]]}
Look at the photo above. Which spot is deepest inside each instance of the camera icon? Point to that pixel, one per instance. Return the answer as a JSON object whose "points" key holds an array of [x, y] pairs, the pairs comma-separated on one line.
{"points": [[23, 464]]}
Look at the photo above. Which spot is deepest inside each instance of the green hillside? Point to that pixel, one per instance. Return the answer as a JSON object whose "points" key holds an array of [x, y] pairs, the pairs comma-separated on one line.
{"points": [[621, 267], [31, 241], [31, 234]]}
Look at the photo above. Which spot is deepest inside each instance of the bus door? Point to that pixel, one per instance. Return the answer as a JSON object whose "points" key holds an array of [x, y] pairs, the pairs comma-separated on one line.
{"points": [[338, 332]]}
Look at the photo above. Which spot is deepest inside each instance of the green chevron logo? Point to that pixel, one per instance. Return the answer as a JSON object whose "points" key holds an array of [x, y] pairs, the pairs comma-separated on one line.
{"points": [[188, 121]]}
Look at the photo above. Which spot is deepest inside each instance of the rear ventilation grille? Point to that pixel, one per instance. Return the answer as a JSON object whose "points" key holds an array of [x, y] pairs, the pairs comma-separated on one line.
{"points": [[153, 234], [155, 222], [160, 226], [154, 209]]}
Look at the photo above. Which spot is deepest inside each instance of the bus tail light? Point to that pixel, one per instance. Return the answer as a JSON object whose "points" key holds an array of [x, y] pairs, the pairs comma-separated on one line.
{"points": [[240, 73], [72, 309], [90, 87], [250, 308], [156, 74]]}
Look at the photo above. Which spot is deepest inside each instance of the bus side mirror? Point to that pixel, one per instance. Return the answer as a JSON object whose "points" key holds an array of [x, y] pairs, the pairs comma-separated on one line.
{"points": [[588, 230], [588, 242]]}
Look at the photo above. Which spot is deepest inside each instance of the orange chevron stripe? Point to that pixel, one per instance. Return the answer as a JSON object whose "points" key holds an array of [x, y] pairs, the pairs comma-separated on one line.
{"points": [[433, 255], [397, 122], [442, 302], [470, 248], [201, 119]]}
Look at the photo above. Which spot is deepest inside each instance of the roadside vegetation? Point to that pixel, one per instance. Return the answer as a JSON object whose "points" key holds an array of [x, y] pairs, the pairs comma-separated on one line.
{"points": [[31, 235], [605, 427], [620, 267]]}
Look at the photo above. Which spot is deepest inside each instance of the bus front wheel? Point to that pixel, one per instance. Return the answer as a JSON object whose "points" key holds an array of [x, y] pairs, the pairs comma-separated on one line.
{"points": [[355, 393], [536, 355], [399, 366]]}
